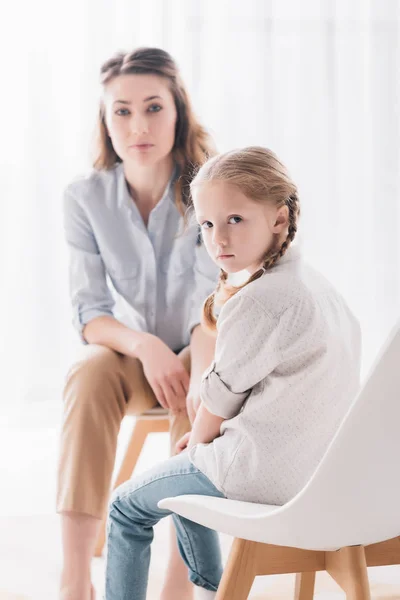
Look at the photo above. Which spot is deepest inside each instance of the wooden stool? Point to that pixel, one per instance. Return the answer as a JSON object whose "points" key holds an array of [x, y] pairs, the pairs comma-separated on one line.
{"points": [[155, 420]]}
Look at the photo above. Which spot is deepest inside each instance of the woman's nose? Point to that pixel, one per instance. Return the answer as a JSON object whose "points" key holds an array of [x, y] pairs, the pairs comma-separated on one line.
{"points": [[139, 125]]}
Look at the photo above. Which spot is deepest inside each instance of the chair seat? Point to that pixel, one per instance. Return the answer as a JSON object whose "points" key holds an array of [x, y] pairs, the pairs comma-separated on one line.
{"points": [[268, 524], [232, 517], [219, 506], [154, 413]]}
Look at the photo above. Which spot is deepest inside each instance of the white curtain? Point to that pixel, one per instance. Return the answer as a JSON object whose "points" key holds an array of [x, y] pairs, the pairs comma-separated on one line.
{"points": [[315, 80]]}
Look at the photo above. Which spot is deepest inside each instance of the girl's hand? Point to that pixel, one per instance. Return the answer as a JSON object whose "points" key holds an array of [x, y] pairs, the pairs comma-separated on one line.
{"points": [[183, 443], [164, 371]]}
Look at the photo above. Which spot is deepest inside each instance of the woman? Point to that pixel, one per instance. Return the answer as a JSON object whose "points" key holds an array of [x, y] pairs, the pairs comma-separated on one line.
{"points": [[138, 281]]}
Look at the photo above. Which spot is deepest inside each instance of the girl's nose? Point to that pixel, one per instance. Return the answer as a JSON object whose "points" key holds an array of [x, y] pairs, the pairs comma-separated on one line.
{"points": [[219, 237]]}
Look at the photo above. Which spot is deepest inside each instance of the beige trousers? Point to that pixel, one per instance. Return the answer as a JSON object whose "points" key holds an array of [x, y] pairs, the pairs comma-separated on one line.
{"points": [[101, 388]]}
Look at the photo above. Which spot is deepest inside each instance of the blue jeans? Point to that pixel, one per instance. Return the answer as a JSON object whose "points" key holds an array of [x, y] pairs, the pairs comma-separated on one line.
{"points": [[132, 516]]}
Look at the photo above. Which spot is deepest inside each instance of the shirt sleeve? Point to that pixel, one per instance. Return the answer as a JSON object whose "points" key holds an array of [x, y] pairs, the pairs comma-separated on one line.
{"points": [[246, 352], [206, 275], [90, 295]]}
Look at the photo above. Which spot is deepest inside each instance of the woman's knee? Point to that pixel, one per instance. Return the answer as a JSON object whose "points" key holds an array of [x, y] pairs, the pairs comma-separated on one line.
{"points": [[185, 357], [92, 378]]}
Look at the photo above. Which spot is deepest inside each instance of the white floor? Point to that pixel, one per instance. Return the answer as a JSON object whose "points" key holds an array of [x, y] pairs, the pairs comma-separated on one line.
{"points": [[30, 556]]}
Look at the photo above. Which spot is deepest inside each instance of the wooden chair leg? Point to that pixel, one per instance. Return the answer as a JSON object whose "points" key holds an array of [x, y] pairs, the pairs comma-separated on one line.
{"points": [[239, 572], [348, 568], [139, 434], [304, 586], [383, 553]]}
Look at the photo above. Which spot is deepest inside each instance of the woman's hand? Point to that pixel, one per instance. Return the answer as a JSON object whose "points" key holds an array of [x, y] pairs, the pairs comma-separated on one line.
{"points": [[182, 444], [164, 371], [192, 402], [202, 348]]}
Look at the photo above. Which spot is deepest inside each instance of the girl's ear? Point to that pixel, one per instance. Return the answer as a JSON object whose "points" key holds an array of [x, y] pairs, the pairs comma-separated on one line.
{"points": [[282, 219]]}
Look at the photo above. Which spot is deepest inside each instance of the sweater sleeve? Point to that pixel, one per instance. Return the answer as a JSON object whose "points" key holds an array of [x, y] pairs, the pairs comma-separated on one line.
{"points": [[247, 351]]}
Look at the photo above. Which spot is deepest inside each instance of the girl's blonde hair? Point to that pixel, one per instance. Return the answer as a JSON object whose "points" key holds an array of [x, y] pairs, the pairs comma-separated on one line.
{"points": [[259, 175], [192, 144]]}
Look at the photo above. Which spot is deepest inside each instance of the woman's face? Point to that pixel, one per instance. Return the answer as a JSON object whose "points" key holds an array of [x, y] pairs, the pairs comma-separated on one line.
{"points": [[140, 116]]}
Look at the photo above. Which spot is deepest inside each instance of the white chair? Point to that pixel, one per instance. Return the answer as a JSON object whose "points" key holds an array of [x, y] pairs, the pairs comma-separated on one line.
{"points": [[345, 519]]}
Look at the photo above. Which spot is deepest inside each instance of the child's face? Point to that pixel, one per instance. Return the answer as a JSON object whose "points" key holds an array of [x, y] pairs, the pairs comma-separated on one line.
{"points": [[237, 231]]}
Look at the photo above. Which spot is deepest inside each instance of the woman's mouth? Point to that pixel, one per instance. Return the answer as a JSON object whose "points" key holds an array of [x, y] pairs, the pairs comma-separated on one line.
{"points": [[141, 147]]}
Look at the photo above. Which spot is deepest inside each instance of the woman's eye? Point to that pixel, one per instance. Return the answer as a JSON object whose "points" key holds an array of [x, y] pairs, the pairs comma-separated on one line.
{"points": [[122, 112], [235, 219], [206, 225], [155, 108]]}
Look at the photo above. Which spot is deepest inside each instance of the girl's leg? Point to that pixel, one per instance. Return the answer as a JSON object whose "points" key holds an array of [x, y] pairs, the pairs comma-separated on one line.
{"points": [[133, 514]]}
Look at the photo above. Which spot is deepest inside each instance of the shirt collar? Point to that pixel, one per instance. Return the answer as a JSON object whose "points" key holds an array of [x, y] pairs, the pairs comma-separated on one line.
{"points": [[126, 199]]}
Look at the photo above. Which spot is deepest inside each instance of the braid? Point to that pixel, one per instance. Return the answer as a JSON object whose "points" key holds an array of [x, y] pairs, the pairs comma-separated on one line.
{"points": [[219, 296], [209, 321], [294, 211]]}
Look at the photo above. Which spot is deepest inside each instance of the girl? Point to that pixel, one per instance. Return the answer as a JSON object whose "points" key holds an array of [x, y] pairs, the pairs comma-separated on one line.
{"points": [[137, 287], [285, 371]]}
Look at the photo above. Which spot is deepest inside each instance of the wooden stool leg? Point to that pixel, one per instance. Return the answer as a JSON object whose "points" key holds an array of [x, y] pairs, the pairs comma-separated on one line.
{"points": [[304, 586], [139, 434], [348, 568], [239, 572]]}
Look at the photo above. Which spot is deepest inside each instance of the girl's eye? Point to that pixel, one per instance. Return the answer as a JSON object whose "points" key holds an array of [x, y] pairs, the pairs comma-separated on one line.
{"points": [[206, 225], [155, 108], [235, 219], [122, 112]]}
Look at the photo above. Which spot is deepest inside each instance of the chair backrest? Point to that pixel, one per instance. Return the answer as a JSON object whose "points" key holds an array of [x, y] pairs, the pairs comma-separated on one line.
{"points": [[354, 495]]}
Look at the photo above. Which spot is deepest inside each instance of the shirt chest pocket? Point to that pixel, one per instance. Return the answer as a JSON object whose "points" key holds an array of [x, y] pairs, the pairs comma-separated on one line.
{"points": [[122, 258], [123, 269], [180, 259]]}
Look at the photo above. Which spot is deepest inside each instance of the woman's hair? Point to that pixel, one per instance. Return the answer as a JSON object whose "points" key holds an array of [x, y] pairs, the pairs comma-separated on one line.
{"points": [[259, 175], [192, 144]]}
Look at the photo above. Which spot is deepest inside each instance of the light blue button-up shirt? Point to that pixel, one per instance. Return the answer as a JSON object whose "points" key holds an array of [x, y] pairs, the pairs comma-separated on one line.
{"points": [[152, 279]]}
